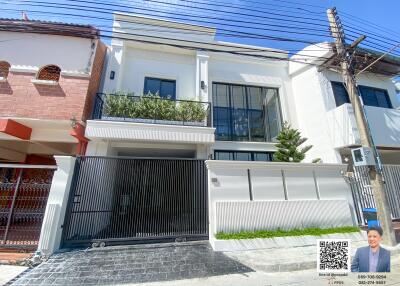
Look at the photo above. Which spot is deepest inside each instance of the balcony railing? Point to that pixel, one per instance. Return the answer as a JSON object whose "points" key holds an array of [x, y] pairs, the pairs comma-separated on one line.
{"points": [[151, 109]]}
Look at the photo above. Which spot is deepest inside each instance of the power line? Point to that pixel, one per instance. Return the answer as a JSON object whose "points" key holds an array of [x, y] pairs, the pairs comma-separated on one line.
{"points": [[74, 7], [232, 6], [218, 44], [369, 23], [378, 59], [173, 5], [213, 50]]}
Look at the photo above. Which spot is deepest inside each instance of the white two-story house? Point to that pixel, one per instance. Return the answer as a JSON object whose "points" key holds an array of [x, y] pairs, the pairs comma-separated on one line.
{"points": [[228, 101], [325, 115], [214, 99]]}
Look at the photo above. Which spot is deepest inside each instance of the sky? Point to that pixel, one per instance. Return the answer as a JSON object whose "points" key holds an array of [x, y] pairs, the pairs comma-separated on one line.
{"points": [[383, 13]]}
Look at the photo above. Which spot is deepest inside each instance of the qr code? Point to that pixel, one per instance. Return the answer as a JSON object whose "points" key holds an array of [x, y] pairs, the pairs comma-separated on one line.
{"points": [[333, 255]]}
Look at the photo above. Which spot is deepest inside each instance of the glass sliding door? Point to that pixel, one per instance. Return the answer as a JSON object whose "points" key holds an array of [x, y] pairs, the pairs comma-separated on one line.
{"points": [[246, 113], [273, 114], [257, 127], [222, 111], [240, 120]]}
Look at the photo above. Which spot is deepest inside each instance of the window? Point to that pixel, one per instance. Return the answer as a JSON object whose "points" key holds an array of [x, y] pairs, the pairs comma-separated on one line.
{"points": [[243, 155], [50, 72], [4, 69], [371, 96], [375, 97], [245, 113], [163, 87], [340, 93]]}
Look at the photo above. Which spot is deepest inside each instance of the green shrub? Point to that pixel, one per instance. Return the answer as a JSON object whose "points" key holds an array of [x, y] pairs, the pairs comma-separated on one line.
{"points": [[191, 111], [153, 107], [282, 233]]}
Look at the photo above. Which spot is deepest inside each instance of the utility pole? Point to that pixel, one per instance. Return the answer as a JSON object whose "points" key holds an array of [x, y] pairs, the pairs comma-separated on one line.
{"points": [[375, 175]]}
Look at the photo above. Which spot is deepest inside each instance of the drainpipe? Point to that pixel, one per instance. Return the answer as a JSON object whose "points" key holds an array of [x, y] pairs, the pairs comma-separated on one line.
{"points": [[78, 131]]}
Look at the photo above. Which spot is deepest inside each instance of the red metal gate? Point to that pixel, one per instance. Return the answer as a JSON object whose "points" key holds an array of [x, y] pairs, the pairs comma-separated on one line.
{"points": [[23, 198]]}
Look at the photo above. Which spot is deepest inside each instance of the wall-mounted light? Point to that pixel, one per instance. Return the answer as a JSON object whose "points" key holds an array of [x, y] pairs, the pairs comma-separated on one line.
{"points": [[203, 84], [215, 182], [112, 74]]}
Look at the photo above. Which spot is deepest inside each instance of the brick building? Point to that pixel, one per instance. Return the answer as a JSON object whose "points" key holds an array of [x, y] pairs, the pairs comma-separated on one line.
{"points": [[49, 76]]}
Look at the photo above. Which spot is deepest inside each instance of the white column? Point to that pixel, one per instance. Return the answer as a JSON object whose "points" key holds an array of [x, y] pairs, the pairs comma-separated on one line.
{"points": [[50, 236], [98, 148], [115, 64], [202, 76]]}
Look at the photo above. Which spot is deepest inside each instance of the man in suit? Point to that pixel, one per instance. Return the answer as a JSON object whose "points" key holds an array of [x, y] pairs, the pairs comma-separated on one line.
{"points": [[372, 258]]}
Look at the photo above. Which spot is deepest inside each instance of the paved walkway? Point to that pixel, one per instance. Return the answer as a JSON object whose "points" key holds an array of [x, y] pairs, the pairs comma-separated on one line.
{"points": [[186, 264], [121, 265]]}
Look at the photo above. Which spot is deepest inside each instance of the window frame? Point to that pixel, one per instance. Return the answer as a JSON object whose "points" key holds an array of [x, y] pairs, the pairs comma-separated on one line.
{"points": [[38, 75], [334, 95], [386, 93], [230, 108], [360, 87], [233, 155], [146, 78]]}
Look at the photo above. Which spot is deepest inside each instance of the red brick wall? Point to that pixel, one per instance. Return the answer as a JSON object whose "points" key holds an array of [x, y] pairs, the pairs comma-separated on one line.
{"points": [[95, 80], [72, 97]]}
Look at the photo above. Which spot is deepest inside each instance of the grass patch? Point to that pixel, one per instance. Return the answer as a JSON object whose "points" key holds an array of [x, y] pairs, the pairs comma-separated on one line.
{"points": [[281, 233]]}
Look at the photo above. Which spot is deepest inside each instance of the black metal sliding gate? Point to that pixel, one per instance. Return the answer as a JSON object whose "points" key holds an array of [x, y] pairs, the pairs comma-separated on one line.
{"points": [[125, 200]]}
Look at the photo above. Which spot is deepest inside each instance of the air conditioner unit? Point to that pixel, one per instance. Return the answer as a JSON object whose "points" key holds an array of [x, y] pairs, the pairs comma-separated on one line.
{"points": [[363, 156]]}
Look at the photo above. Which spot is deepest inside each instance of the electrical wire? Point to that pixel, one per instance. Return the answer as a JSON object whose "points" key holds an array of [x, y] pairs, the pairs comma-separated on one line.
{"points": [[22, 2], [72, 7]]}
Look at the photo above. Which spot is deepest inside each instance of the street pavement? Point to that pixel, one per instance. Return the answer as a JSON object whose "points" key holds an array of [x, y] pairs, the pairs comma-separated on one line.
{"points": [[9, 272], [193, 264], [134, 264]]}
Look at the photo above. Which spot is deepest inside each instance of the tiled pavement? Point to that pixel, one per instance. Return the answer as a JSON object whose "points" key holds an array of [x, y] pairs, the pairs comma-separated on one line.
{"points": [[134, 264]]}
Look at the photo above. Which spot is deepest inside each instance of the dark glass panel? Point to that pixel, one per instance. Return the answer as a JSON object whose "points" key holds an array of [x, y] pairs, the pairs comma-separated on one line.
{"points": [[273, 114], [256, 99], [168, 89], [340, 93], [242, 156], [152, 85]]}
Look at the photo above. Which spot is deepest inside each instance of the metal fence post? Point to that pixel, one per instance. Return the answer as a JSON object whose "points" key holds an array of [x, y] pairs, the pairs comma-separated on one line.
{"points": [[12, 206]]}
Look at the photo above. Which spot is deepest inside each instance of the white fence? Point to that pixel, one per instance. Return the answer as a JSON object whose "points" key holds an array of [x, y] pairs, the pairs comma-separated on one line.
{"points": [[268, 195]]}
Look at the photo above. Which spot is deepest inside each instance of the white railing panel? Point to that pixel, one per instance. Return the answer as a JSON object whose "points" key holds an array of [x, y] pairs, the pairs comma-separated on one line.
{"points": [[269, 215]]}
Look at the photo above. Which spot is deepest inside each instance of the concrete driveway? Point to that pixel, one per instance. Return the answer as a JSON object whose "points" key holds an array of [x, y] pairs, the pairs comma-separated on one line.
{"points": [[133, 264]]}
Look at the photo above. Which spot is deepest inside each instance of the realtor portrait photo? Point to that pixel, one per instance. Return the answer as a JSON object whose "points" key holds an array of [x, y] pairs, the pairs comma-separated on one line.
{"points": [[372, 258]]}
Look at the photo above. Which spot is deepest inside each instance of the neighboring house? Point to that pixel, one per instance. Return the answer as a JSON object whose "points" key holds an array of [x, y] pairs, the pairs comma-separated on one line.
{"points": [[49, 76], [237, 102], [325, 115]]}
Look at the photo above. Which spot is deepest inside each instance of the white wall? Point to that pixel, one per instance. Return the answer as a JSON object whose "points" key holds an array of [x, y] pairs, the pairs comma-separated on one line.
{"points": [[138, 64], [329, 127], [33, 51], [247, 71], [320, 184], [313, 98]]}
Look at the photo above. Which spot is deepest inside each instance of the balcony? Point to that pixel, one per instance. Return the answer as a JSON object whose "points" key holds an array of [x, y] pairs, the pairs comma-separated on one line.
{"points": [[151, 109], [153, 118], [383, 122]]}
